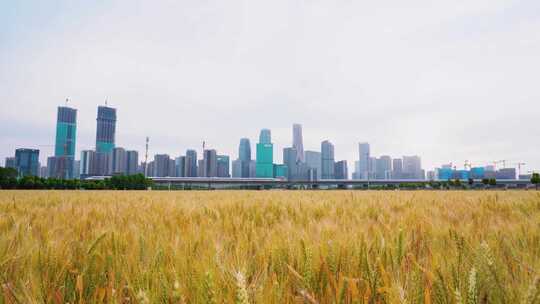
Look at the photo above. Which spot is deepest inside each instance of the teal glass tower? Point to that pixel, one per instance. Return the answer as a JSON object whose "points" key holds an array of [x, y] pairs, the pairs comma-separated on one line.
{"points": [[106, 129], [265, 155], [66, 129]]}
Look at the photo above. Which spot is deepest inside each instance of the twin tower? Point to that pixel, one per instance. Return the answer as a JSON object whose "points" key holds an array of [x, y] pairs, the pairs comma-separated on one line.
{"points": [[61, 165]]}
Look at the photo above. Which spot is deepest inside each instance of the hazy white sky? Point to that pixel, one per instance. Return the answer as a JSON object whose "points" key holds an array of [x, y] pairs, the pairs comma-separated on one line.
{"points": [[447, 80]]}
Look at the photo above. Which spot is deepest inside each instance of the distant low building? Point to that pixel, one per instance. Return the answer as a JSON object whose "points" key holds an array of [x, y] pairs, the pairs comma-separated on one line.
{"points": [[10, 163], [506, 173]]}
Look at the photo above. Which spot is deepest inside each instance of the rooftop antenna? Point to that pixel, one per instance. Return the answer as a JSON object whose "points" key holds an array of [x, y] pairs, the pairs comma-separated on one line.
{"points": [[106, 101], [203, 145], [67, 100]]}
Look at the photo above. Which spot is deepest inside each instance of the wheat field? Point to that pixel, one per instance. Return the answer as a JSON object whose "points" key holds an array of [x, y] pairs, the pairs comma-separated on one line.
{"points": [[270, 247]]}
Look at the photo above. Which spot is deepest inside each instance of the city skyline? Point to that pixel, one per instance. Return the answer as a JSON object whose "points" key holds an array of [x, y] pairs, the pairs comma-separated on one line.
{"points": [[447, 82], [244, 148], [107, 159]]}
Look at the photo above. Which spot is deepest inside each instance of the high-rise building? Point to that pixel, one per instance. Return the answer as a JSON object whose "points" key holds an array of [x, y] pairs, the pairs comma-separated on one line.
{"points": [[132, 162], [64, 149], [210, 163], [106, 129], [356, 172], [397, 168], [180, 166], [265, 155], [66, 132], [265, 137], [372, 168], [244, 155], [314, 161], [77, 169], [341, 170], [364, 163], [10, 162], [151, 169], [412, 167], [88, 163], [327, 160], [298, 142], [253, 168], [119, 161], [27, 162], [289, 160], [191, 164], [43, 172], [223, 166], [237, 168], [244, 150], [60, 167], [383, 167], [162, 163], [200, 168]]}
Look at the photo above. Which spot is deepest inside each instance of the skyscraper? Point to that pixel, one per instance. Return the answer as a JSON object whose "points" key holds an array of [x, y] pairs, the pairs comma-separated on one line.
{"points": [[223, 166], [364, 161], [265, 137], [244, 150], [61, 164], [191, 164], [253, 168], [210, 163], [132, 162], [244, 155], [180, 166], [27, 162], [341, 170], [298, 142], [200, 168], [162, 164], [327, 157], [289, 160], [383, 167], [237, 168], [66, 131], [106, 129], [118, 161], [314, 161], [88, 163], [265, 155], [397, 168], [412, 167]]}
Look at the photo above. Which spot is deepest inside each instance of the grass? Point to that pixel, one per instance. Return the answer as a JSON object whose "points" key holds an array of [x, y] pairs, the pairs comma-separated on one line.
{"points": [[269, 247]]}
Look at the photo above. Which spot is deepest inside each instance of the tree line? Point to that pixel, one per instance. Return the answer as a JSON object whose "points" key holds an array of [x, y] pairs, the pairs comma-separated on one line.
{"points": [[9, 180]]}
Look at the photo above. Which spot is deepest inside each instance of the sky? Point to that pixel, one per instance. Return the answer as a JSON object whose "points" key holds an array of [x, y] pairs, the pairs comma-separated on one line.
{"points": [[447, 80]]}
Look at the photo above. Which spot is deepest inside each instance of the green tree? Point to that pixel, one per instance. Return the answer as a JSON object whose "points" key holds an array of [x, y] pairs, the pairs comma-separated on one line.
{"points": [[535, 179]]}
